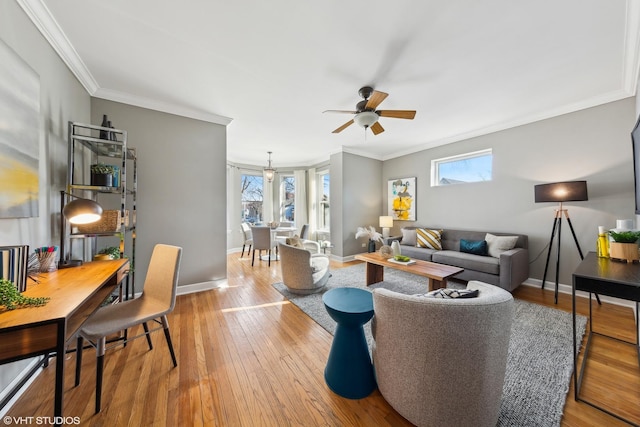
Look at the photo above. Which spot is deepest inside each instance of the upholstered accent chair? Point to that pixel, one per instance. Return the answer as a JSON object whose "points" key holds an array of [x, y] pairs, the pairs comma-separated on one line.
{"points": [[442, 362], [302, 271]]}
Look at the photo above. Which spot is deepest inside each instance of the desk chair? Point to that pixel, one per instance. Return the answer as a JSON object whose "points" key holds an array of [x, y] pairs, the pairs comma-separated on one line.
{"points": [[157, 300], [248, 237]]}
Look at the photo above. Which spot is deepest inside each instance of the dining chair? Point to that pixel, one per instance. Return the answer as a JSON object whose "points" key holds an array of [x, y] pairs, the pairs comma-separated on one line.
{"points": [[262, 240], [248, 237], [304, 231], [157, 300]]}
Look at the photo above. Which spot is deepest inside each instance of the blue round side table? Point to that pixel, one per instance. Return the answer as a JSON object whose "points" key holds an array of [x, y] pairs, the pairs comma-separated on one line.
{"points": [[349, 371]]}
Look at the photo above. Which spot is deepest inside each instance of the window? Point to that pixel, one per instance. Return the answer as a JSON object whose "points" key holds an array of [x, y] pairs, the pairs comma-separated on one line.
{"points": [[469, 167], [323, 201], [287, 198], [252, 196]]}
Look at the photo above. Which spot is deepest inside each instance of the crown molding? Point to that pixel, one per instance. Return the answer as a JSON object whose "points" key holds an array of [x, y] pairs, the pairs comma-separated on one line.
{"points": [[41, 17], [521, 121], [165, 107]]}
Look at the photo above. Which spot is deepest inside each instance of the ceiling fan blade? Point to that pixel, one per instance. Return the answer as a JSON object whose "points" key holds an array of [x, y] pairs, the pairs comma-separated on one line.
{"points": [[343, 127], [340, 111], [375, 99], [377, 128], [397, 114]]}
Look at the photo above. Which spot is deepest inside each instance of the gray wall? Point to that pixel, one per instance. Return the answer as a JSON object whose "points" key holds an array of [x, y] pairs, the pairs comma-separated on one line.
{"points": [[181, 187], [592, 145], [62, 98], [355, 200]]}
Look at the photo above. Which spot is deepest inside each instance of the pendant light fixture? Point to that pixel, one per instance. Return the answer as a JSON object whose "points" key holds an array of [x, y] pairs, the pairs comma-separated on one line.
{"points": [[269, 172]]}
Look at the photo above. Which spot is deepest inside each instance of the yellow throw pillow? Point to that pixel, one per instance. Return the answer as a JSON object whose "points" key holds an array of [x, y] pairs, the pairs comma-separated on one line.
{"points": [[431, 239]]}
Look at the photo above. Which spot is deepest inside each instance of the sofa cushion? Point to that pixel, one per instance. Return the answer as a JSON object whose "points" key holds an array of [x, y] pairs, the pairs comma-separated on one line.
{"points": [[414, 252], [408, 237], [476, 247], [499, 244], [451, 293], [481, 263], [430, 239]]}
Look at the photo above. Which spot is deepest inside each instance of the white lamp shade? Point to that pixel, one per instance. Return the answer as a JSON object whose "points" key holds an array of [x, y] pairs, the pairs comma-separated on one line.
{"points": [[365, 119], [386, 221]]}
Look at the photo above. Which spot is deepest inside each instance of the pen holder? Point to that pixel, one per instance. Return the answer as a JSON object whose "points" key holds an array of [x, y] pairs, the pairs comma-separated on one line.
{"points": [[47, 261]]}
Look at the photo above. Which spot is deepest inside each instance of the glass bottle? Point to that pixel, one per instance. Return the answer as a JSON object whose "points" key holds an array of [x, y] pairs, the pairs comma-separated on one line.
{"points": [[603, 243]]}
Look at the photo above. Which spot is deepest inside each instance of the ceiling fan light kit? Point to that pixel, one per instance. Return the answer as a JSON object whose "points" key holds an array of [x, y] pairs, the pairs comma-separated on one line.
{"points": [[366, 115], [365, 119]]}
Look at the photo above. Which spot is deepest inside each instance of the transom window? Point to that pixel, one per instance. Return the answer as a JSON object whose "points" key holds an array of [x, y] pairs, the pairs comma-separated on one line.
{"points": [[463, 168]]}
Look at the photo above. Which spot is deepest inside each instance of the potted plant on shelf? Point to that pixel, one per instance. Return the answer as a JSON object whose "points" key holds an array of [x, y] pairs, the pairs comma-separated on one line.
{"points": [[112, 252], [372, 235], [102, 175], [624, 245]]}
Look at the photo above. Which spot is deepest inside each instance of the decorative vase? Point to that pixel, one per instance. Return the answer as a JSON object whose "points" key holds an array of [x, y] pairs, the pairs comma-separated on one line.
{"points": [[386, 252], [395, 248], [372, 246], [102, 179], [104, 134]]}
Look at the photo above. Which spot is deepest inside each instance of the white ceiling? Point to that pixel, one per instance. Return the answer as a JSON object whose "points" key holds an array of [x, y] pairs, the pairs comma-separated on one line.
{"points": [[468, 67]]}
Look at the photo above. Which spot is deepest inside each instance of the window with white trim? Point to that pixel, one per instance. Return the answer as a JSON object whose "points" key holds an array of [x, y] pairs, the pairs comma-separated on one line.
{"points": [[463, 168], [323, 201], [287, 198]]}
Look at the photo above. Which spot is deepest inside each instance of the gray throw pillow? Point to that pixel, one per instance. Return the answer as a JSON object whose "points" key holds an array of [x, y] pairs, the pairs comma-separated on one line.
{"points": [[499, 244], [408, 237]]}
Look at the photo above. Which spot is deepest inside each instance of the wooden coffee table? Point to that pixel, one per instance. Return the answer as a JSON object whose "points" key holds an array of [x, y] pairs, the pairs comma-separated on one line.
{"points": [[437, 273]]}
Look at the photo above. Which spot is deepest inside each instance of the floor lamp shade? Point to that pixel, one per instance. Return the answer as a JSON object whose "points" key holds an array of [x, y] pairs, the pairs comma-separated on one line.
{"points": [[569, 191]]}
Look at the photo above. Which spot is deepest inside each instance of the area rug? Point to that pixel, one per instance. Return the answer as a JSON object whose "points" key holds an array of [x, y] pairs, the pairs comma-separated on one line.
{"points": [[539, 364]]}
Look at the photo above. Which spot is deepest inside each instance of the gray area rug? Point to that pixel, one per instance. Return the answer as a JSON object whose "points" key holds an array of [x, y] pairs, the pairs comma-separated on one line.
{"points": [[539, 364]]}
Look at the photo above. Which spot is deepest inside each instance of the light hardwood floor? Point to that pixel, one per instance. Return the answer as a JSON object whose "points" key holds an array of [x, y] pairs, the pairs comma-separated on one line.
{"points": [[248, 357]]}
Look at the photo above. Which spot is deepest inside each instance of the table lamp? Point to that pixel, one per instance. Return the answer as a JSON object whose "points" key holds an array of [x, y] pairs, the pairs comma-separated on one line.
{"points": [[386, 222], [77, 211]]}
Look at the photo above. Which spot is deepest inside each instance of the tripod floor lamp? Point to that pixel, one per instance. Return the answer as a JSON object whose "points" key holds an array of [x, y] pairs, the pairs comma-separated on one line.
{"points": [[559, 192]]}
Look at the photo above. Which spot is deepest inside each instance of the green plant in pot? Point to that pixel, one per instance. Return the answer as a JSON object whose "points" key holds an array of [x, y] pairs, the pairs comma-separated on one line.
{"points": [[102, 175], [624, 246], [112, 252]]}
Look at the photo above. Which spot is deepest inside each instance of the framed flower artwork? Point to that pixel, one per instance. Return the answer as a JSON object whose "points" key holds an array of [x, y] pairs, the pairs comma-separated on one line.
{"points": [[402, 199]]}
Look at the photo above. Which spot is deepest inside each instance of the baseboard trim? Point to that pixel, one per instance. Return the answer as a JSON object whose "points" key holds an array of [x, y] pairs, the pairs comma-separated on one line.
{"points": [[203, 286], [567, 289]]}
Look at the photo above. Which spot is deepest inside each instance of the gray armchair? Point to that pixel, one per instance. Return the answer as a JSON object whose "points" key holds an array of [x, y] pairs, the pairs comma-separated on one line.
{"points": [[442, 362], [303, 272]]}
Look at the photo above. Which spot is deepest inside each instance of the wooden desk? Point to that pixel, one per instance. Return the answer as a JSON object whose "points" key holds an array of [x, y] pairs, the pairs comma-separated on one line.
{"points": [[605, 277], [75, 294], [436, 273]]}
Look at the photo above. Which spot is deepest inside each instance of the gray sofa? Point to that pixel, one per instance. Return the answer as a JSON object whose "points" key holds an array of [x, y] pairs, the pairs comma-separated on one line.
{"points": [[508, 270]]}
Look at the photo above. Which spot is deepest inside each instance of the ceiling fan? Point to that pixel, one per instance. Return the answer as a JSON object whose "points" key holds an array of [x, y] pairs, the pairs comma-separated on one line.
{"points": [[367, 116]]}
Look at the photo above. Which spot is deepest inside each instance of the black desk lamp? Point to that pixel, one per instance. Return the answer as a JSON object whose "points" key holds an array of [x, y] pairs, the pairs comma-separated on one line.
{"points": [[78, 211], [570, 191]]}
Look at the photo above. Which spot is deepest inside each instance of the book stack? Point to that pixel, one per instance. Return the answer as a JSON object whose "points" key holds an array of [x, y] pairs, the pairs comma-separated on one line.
{"points": [[13, 265]]}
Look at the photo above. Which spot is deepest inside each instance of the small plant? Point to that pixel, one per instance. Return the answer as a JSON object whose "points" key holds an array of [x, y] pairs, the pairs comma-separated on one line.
{"points": [[11, 299], [625, 236], [102, 169], [112, 251]]}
